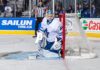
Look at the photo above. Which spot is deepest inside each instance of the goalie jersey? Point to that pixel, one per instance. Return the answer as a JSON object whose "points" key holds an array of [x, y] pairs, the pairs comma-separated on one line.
{"points": [[52, 29]]}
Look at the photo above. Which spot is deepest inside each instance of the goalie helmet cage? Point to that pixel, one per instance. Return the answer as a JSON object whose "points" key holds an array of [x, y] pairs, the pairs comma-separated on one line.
{"points": [[77, 45]]}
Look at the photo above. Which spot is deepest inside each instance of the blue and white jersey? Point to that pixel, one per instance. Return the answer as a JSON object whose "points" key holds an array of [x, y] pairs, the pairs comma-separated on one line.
{"points": [[52, 30]]}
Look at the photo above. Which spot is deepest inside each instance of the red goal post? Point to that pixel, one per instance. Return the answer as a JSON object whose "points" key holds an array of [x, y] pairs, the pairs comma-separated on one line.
{"points": [[63, 19]]}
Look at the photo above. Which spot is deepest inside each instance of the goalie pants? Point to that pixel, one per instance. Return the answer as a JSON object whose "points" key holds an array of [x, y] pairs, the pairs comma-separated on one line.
{"points": [[48, 47]]}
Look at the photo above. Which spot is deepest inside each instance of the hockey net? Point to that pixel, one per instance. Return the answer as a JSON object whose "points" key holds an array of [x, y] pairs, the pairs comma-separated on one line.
{"points": [[77, 45]]}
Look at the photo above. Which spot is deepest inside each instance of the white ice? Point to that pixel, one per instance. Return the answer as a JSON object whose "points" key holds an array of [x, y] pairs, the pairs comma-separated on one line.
{"points": [[13, 43], [87, 64]]}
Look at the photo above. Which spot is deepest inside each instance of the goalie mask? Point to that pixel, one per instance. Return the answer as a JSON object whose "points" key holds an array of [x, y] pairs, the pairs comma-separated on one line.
{"points": [[49, 15]]}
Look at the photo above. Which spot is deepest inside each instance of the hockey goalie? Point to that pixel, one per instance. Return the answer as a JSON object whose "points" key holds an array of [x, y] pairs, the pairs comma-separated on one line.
{"points": [[49, 37]]}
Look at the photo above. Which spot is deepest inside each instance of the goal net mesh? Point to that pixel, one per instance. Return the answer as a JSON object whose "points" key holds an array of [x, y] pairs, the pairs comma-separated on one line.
{"points": [[77, 45]]}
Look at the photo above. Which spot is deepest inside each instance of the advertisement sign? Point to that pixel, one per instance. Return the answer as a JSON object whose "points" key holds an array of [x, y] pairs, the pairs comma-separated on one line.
{"points": [[17, 26], [91, 24], [69, 24], [72, 23], [17, 23]]}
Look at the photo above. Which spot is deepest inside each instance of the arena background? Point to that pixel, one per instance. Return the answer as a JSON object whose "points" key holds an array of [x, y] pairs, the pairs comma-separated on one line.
{"points": [[17, 10]]}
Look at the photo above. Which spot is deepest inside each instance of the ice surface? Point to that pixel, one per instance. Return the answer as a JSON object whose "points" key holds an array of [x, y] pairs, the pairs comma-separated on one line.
{"points": [[87, 64], [25, 43], [32, 65], [12, 43]]}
